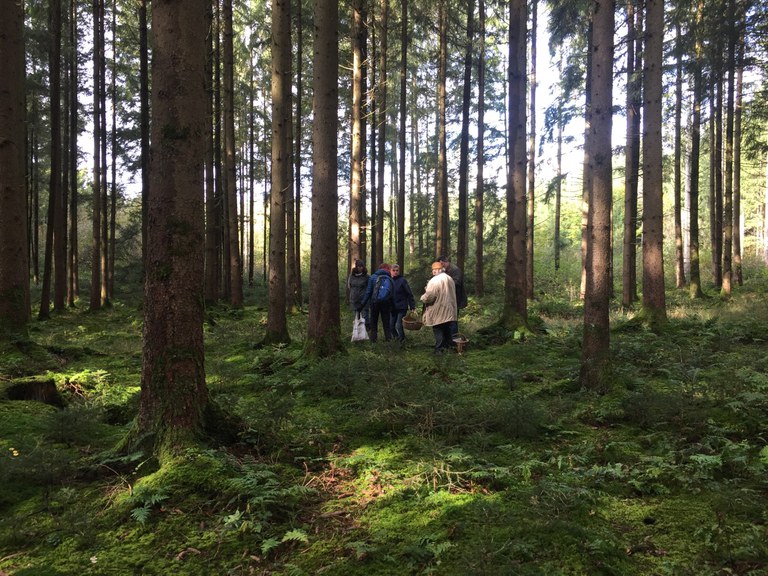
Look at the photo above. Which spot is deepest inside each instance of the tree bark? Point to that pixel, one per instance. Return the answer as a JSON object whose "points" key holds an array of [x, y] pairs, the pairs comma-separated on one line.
{"points": [[212, 236], [404, 25], [480, 186], [295, 282], [515, 314], [694, 285], [234, 266], [738, 273], [442, 238], [323, 334], [73, 290], [728, 213], [462, 239], [381, 105], [174, 396], [595, 351], [357, 167], [654, 298], [14, 265], [277, 325], [529, 242], [632, 152], [96, 244], [680, 281]]}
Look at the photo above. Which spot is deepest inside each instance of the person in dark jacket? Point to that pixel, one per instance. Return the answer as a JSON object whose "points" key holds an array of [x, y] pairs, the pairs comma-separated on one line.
{"points": [[402, 301], [381, 309], [356, 285]]}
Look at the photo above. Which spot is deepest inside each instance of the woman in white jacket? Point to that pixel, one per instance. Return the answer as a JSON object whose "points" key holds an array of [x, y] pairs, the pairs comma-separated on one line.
{"points": [[440, 300]]}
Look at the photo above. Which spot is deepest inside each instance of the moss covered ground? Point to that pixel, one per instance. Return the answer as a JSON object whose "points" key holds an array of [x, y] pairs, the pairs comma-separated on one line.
{"points": [[390, 461]]}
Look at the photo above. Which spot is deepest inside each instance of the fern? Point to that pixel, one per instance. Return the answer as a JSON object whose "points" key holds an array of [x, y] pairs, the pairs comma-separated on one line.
{"points": [[295, 536]]}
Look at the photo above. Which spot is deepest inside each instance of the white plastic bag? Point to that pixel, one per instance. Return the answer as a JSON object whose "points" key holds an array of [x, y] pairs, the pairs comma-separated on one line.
{"points": [[359, 333]]}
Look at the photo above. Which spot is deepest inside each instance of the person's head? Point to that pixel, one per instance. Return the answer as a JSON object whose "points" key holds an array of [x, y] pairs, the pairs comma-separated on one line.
{"points": [[385, 266], [395, 270], [358, 267], [443, 260], [437, 267]]}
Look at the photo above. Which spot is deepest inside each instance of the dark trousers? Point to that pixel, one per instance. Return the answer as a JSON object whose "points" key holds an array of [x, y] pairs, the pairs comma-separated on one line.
{"points": [[443, 337], [385, 311]]}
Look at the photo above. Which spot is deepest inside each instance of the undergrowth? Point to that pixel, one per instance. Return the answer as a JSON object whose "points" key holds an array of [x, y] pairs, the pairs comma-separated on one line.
{"points": [[387, 460]]}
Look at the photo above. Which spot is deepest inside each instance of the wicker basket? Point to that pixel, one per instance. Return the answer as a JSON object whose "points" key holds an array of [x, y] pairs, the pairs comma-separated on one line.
{"points": [[411, 322]]}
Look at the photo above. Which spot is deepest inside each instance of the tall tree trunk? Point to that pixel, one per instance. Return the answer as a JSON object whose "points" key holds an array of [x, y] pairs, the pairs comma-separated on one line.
{"points": [[113, 160], [174, 396], [144, 122], [277, 326], [34, 189], [694, 286], [291, 273], [297, 290], [381, 104], [442, 240], [235, 295], [14, 264], [211, 209], [462, 240], [678, 174], [632, 151], [54, 241], [292, 222], [654, 298], [57, 188], [219, 175], [515, 314], [529, 243], [251, 166], [105, 195], [357, 158], [587, 175], [559, 169], [73, 290], [323, 331], [595, 350], [377, 251], [737, 266], [728, 214], [716, 176], [66, 166], [96, 244], [402, 135], [480, 186]]}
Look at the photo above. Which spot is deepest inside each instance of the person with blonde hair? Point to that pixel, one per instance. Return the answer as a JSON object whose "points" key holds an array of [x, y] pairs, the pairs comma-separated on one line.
{"points": [[440, 310]]}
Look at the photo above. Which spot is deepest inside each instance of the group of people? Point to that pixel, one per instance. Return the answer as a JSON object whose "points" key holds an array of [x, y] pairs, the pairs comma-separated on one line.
{"points": [[386, 295]]}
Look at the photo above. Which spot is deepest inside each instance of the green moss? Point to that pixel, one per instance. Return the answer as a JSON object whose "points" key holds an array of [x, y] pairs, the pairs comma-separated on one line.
{"points": [[389, 461]]}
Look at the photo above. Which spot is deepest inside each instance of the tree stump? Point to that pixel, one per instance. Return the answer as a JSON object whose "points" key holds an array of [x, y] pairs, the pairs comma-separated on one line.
{"points": [[33, 388]]}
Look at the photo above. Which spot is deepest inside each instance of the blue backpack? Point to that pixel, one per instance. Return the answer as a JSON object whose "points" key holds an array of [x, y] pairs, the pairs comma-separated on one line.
{"points": [[382, 289]]}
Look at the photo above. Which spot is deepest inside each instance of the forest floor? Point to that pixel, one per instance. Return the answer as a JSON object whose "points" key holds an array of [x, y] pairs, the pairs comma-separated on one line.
{"points": [[390, 461]]}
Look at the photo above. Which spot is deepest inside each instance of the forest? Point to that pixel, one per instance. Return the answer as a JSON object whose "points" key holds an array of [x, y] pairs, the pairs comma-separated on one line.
{"points": [[184, 189]]}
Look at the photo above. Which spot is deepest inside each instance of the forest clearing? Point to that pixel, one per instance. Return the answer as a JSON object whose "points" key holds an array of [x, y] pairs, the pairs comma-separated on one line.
{"points": [[385, 460], [237, 162]]}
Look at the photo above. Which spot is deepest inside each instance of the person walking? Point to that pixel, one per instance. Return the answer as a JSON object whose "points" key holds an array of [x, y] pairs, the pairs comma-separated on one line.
{"points": [[440, 312], [461, 294], [357, 282], [378, 295], [402, 301]]}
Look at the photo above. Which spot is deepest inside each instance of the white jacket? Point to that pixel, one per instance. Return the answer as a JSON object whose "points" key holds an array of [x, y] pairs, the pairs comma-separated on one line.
{"points": [[440, 298]]}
